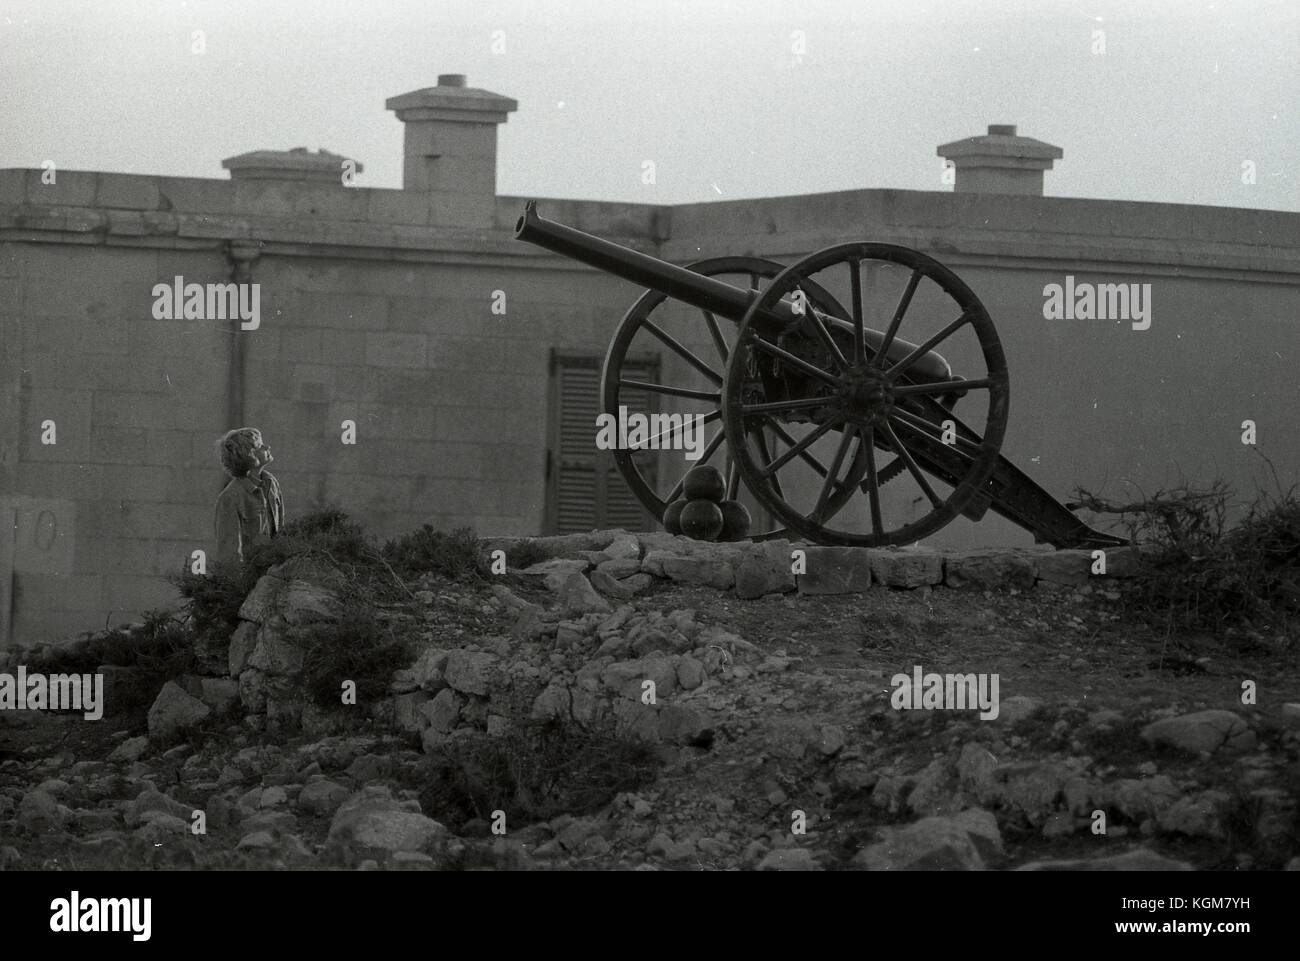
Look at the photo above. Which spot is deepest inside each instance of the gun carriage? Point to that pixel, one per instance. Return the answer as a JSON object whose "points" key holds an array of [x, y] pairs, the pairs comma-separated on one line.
{"points": [[803, 361]]}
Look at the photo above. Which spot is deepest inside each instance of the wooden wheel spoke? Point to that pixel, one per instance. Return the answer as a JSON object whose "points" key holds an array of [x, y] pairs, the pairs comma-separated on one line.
{"points": [[656, 442], [925, 428], [942, 387], [733, 479], [682, 351], [911, 465], [855, 289], [882, 351], [808, 458], [711, 396], [778, 406], [766, 454], [824, 335], [715, 332], [872, 483], [798, 363], [928, 346], [797, 448], [831, 481]]}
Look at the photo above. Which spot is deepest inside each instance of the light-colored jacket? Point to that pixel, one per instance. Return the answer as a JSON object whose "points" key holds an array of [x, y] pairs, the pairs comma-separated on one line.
{"points": [[247, 511]]}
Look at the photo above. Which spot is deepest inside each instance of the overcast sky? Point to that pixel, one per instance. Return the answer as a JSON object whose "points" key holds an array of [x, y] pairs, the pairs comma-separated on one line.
{"points": [[729, 98]]}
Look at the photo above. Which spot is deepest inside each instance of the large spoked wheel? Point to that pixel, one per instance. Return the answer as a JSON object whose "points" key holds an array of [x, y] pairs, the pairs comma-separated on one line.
{"points": [[867, 391], [697, 387]]}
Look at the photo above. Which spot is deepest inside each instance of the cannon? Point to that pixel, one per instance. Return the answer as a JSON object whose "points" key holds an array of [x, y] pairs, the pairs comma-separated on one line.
{"points": [[802, 372]]}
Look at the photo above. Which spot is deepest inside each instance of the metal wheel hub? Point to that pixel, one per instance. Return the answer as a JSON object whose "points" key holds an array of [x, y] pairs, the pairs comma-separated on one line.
{"points": [[867, 396]]}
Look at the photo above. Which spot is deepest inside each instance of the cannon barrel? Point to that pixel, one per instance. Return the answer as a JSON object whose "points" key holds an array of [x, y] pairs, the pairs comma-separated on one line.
{"points": [[704, 293]]}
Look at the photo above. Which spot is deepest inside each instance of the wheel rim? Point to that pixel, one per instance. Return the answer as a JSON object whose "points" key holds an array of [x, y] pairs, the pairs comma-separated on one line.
{"points": [[639, 321], [872, 401]]}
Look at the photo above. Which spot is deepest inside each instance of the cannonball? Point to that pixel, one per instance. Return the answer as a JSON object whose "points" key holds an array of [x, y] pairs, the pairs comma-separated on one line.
{"points": [[704, 483], [701, 520], [673, 517], [736, 521]]}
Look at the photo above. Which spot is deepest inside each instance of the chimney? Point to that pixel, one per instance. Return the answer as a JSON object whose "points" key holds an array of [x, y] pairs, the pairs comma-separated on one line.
{"points": [[1000, 162], [298, 164], [450, 148]]}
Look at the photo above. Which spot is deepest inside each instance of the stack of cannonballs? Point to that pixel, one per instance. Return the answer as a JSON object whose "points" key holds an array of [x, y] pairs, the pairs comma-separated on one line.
{"points": [[702, 513]]}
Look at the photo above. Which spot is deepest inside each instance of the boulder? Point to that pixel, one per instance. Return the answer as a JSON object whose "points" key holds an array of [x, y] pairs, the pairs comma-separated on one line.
{"points": [[960, 842], [174, 712], [989, 570], [1207, 731]]}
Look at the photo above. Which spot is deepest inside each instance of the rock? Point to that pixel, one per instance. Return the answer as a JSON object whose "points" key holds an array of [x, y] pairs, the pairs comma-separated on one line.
{"points": [[962, 842], [39, 812], [1012, 710], [396, 830], [620, 568], [370, 767], [174, 712], [253, 691], [607, 585], [556, 570], [219, 693], [702, 570], [322, 798], [682, 724], [471, 671], [764, 568], [690, 673], [1063, 567], [152, 803], [832, 739], [407, 713], [256, 841], [427, 673], [442, 712], [637, 583], [1137, 860], [578, 597], [1139, 798], [988, 570], [1208, 731], [242, 642], [263, 600], [935, 791], [1198, 816], [130, 750], [836, 570], [907, 567], [163, 828], [274, 652], [789, 859], [626, 677]]}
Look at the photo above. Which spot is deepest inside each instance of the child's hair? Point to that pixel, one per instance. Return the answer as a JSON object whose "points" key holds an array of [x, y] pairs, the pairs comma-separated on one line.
{"points": [[235, 448]]}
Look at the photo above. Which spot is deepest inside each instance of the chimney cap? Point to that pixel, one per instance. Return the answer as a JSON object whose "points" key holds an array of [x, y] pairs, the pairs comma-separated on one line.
{"points": [[1001, 147], [298, 163], [451, 100]]}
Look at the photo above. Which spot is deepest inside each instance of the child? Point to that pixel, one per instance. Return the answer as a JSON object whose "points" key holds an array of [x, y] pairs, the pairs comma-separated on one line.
{"points": [[250, 507]]}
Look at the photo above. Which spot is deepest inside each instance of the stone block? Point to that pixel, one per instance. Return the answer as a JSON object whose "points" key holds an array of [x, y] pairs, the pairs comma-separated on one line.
{"points": [[907, 567], [836, 570], [1068, 567], [988, 570]]}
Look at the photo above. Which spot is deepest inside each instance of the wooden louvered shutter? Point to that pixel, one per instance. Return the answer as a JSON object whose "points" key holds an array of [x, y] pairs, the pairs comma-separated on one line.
{"points": [[585, 489]]}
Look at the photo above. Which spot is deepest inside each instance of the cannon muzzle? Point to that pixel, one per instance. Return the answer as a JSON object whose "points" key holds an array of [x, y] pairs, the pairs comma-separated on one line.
{"points": [[704, 293]]}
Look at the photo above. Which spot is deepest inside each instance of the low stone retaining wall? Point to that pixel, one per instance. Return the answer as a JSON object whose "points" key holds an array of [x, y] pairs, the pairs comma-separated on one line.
{"points": [[617, 563]]}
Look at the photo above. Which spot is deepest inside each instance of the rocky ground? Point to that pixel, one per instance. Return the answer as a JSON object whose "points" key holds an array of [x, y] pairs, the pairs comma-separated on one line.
{"points": [[771, 742]]}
